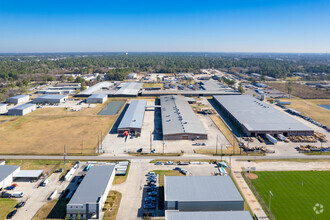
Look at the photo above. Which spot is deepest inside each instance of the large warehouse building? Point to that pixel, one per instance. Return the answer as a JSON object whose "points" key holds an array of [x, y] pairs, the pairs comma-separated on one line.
{"points": [[133, 118], [18, 99], [7, 174], [179, 121], [22, 109], [258, 118], [97, 98], [52, 99], [225, 215], [91, 194], [201, 193]]}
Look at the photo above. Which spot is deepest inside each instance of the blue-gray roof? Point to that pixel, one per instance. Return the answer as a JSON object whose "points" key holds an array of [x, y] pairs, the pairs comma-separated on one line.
{"points": [[95, 88], [178, 117], [6, 170], [256, 115], [223, 215], [129, 88], [24, 106], [18, 96], [134, 114], [93, 185], [97, 96], [200, 188]]}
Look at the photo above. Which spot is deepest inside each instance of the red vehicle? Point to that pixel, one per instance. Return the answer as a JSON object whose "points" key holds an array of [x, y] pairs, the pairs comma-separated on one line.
{"points": [[125, 133], [14, 184]]}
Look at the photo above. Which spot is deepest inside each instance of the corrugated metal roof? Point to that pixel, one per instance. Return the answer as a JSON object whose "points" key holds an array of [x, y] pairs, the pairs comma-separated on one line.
{"points": [[134, 114], [93, 185], [50, 97], [178, 117], [212, 85], [28, 174], [96, 88], [24, 106], [17, 97], [130, 88], [97, 96], [6, 170], [259, 116], [223, 215], [200, 188]]}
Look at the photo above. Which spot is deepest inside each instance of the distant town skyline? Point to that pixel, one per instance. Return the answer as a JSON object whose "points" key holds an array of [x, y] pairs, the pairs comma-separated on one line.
{"points": [[293, 26]]}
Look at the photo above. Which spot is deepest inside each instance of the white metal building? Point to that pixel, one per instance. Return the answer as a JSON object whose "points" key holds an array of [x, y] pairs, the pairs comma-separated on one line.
{"points": [[18, 99], [22, 109], [3, 107], [50, 99], [131, 76], [91, 194], [97, 98], [201, 193], [7, 174], [224, 215]]}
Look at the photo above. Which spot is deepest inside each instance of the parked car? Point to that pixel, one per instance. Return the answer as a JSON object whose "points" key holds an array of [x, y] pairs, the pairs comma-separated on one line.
{"points": [[17, 194], [159, 163], [151, 174], [10, 188], [14, 184], [139, 150], [11, 214], [169, 163], [20, 204], [177, 168], [5, 195], [184, 172]]}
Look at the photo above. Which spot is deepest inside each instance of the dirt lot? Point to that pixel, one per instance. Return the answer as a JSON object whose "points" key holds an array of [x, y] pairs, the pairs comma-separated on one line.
{"points": [[310, 108], [47, 130], [301, 91]]}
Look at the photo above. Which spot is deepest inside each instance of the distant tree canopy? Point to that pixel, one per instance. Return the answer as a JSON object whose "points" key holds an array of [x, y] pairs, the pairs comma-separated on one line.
{"points": [[117, 74]]}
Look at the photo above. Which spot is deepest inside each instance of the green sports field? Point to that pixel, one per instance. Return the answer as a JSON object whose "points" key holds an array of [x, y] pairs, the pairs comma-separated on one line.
{"points": [[295, 193]]}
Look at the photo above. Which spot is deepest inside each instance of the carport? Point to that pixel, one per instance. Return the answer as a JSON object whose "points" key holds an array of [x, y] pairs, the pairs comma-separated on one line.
{"points": [[27, 175]]}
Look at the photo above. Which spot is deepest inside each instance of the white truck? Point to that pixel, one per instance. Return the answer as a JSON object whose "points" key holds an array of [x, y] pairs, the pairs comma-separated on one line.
{"points": [[45, 182], [17, 194]]}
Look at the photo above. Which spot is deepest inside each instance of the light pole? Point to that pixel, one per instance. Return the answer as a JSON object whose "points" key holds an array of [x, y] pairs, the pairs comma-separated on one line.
{"points": [[270, 199]]}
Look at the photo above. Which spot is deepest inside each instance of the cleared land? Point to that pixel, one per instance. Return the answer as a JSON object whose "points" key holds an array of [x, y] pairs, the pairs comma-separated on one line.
{"points": [[6, 206], [301, 91], [310, 108], [47, 130], [295, 193], [112, 205]]}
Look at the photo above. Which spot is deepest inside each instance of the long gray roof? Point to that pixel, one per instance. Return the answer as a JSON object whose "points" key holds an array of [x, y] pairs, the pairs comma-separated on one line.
{"points": [[256, 115], [212, 85], [17, 97], [200, 188], [178, 117], [22, 107], [93, 185], [129, 88], [6, 170], [223, 215], [49, 97], [97, 96], [95, 88], [134, 114]]}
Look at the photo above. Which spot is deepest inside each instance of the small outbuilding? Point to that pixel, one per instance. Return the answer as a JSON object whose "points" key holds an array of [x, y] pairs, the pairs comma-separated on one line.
{"points": [[97, 98], [18, 99], [3, 107], [131, 76], [201, 193], [51, 99], [22, 109]]}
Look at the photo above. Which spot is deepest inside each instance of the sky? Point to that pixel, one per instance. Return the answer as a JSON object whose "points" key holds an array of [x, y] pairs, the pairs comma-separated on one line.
{"points": [[290, 26]]}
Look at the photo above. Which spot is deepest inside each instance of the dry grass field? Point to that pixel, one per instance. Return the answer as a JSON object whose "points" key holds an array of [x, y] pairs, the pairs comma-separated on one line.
{"points": [[301, 91], [47, 130], [310, 108]]}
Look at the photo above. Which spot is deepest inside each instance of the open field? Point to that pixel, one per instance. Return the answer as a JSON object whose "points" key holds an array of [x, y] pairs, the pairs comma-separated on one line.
{"points": [[295, 193], [310, 108], [303, 160], [55, 209], [301, 91], [47, 130], [112, 205], [6, 206]]}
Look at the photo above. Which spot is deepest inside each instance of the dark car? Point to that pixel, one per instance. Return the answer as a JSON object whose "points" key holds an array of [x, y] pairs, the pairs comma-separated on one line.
{"points": [[139, 150], [10, 187], [11, 214], [20, 204]]}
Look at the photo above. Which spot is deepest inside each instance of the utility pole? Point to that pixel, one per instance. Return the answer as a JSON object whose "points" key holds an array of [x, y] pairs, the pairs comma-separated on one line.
{"points": [[163, 146], [98, 143], [101, 141], [216, 146], [230, 164], [82, 144], [270, 199], [221, 153], [233, 144], [150, 141], [64, 154]]}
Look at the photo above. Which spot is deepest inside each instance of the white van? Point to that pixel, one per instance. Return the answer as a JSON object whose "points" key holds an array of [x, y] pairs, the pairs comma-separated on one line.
{"points": [[17, 194], [45, 182]]}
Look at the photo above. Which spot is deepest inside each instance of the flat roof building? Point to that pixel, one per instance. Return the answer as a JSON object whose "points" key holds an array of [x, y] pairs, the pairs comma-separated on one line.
{"points": [[201, 193], [22, 109], [3, 107], [224, 215], [97, 98], [179, 121], [50, 99], [131, 76], [92, 193], [96, 89], [258, 118], [18, 99], [133, 118], [7, 173], [129, 89]]}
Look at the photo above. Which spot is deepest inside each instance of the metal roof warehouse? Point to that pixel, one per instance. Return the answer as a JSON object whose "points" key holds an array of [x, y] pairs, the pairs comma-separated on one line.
{"points": [[129, 89], [256, 117], [224, 215], [133, 118], [179, 120], [50, 99], [22, 109]]}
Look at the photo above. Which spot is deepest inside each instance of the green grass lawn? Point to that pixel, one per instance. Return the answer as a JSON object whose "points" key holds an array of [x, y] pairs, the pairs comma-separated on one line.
{"points": [[295, 193], [6, 206]]}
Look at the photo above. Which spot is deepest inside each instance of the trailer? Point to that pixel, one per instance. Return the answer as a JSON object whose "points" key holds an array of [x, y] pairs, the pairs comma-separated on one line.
{"points": [[87, 167], [52, 196], [281, 137], [271, 138]]}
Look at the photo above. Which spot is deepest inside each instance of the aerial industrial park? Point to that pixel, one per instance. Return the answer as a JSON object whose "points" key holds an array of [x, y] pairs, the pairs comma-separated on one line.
{"points": [[174, 146]]}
